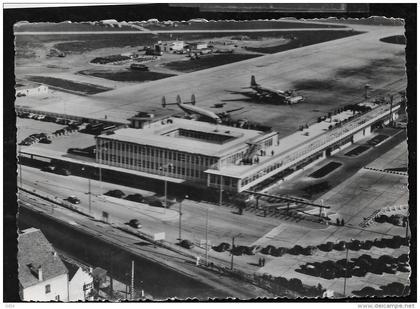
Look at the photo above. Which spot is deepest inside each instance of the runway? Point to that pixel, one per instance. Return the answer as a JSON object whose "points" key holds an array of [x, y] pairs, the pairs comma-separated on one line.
{"points": [[319, 62]]}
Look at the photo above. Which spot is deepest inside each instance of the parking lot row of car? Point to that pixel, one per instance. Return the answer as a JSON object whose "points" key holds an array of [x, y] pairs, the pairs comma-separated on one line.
{"points": [[71, 126], [137, 197]]}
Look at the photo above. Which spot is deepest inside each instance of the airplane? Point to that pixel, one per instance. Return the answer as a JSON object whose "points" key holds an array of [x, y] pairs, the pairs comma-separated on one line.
{"points": [[191, 109], [287, 96]]}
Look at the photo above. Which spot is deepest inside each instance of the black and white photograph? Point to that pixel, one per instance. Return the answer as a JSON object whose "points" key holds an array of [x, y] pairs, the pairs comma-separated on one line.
{"points": [[211, 152]]}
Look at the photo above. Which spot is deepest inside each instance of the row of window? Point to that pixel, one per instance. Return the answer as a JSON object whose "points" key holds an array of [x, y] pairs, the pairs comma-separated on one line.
{"points": [[116, 147], [227, 181]]}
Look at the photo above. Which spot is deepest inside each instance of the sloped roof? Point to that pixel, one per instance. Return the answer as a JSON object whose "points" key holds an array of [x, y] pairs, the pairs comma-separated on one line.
{"points": [[35, 251]]}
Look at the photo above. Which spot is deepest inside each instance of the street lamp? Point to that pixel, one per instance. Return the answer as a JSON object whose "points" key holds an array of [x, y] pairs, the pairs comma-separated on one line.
{"points": [[345, 273], [231, 250], [165, 169], [89, 192], [180, 215], [20, 166], [221, 191], [207, 239]]}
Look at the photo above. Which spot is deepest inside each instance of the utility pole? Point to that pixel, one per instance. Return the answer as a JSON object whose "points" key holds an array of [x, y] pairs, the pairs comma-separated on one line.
{"points": [[345, 273], [221, 191], [231, 253], [207, 244], [20, 169], [179, 216], [132, 280], [90, 197]]}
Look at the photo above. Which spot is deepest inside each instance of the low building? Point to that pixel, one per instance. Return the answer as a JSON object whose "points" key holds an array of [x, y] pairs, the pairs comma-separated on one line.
{"points": [[176, 45], [189, 148], [32, 89], [198, 45], [80, 282], [42, 274]]}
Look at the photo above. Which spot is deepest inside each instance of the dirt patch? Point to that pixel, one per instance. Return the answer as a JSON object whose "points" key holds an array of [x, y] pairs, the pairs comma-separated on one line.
{"points": [[126, 76], [325, 170], [207, 62], [68, 85]]}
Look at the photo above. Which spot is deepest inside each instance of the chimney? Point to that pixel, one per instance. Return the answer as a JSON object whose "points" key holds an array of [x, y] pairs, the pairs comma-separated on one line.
{"points": [[40, 277]]}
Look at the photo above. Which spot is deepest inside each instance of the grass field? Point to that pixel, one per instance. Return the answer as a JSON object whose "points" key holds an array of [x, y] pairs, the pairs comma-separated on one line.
{"points": [[207, 62], [303, 38], [126, 76], [86, 42], [396, 39], [237, 25], [68, 85], [41, 27]]}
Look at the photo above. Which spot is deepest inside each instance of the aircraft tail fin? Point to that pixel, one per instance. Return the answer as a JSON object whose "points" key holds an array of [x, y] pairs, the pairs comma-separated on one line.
{"points": [[178, 99], [163, 102], [253, 82], [193, 99]]}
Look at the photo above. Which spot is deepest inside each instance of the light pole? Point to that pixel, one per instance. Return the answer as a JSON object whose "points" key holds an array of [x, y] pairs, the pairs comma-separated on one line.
{"points": [[20, 167], [345, 273], [180, 216], [231, 253], [89, 193], [221, 191], [207, 239], [165, 169]]}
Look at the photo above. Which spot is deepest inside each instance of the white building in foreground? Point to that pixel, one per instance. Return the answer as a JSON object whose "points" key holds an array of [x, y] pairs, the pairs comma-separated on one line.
{"points": [[42, 275]]}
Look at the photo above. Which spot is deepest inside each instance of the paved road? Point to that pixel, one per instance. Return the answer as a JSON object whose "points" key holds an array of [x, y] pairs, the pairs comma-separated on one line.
{"points": [[223, 222], [221, 286]]}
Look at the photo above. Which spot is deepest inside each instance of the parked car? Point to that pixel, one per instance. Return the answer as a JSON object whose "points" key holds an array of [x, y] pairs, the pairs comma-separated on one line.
{"points": [[186, 244], [45, 141], [115, 193], [135, 223], [25, 143], [73, 199], [63, 171], [49, 168], [135, 198], [156, 204]]}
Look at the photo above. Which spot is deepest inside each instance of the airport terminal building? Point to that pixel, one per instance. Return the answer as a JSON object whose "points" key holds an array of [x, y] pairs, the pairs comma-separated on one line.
{"points": [[232, 158], [184, 149]]}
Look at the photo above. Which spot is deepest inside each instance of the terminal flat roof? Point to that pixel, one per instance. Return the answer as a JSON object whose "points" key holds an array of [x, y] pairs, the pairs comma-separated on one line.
{"points": [[154, 136]]}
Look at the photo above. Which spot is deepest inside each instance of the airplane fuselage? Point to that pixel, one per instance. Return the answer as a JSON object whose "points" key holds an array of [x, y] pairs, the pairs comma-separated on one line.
{"points": [[208, 115]]}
